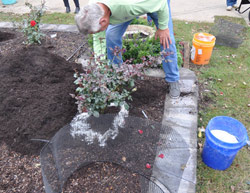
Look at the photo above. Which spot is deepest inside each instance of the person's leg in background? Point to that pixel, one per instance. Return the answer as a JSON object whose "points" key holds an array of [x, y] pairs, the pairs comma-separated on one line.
{"points": [[77, 6], [66, 4], [114, 35], [170, 63], [231, 4]]}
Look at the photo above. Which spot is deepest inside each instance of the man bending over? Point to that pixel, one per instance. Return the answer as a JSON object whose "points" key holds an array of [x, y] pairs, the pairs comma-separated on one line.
{"points": [[111, 18]]}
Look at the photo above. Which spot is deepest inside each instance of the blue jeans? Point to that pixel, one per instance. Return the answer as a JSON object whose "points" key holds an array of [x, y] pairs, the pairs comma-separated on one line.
{"points": [[114, 35], [231, 2]]}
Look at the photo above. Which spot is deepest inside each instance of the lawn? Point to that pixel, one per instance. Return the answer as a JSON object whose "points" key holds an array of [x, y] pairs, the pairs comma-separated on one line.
{"points": [[226, 80], [224, 90]]}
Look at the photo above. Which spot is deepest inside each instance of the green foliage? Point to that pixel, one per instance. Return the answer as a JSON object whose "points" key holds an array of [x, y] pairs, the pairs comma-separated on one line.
{"points": [[139, 21], [179, 51], [148, 49], [90, 40], [30, 25], [102, 85], [144, 50], [136, 48]]}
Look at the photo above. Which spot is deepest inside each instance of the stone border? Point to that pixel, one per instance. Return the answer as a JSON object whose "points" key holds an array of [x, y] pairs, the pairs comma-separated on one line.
{"points": [[181, 115]]}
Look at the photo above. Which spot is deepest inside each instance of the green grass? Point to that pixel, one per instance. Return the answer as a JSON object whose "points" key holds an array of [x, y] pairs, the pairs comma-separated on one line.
{"points": [[50, 18], [59, 18], [229, 73]]}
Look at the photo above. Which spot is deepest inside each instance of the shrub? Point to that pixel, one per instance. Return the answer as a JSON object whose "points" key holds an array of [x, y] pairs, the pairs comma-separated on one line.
{"points": [[144, 50], [136, 48], [180, 50], [30, 26], [102, 85], [147, 49]]}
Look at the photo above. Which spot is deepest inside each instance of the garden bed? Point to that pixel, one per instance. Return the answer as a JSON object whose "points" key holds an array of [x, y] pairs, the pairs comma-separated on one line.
{"points": [[36, 82]]}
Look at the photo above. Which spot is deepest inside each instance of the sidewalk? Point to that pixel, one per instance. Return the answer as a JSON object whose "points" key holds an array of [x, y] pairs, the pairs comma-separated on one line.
{"points": [[192, 10]]}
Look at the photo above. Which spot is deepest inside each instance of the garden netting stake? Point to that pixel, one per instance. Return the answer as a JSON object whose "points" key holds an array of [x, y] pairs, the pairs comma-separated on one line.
{"points": [[83, 44], [42, 140]]}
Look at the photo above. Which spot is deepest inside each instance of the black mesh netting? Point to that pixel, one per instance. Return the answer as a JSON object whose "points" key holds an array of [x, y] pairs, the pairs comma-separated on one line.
{"points": [[245, 8], [228, 33], [109, 154]]}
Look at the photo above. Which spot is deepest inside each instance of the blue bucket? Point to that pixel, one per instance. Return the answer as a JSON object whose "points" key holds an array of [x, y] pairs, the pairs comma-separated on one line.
{"points": [[219, 153], [8, 2]]}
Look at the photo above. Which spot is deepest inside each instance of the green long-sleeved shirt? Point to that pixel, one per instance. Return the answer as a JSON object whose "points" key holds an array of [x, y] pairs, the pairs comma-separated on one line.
{"points": [[125, 10]]}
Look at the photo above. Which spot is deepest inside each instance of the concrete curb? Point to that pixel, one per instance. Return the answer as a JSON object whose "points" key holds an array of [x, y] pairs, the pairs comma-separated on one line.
{"points": [[181, 117]]}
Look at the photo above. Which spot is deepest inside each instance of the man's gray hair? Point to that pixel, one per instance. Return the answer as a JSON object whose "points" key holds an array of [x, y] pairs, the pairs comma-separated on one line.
{"points": [[87, 20]]}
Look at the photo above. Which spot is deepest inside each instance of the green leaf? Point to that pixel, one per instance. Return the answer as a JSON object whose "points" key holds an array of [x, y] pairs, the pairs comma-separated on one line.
{"points": [[116, 103], [126, 106], [96, 114], [132, 83]]}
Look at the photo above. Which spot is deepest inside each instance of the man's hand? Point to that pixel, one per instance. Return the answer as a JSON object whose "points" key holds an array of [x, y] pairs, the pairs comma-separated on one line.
{"points": [[164, 37]]}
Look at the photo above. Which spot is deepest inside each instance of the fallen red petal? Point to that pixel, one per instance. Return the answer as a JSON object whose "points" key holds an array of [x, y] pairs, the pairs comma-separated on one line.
{"points": [[148, 166], [161, 155], [140, 131]]}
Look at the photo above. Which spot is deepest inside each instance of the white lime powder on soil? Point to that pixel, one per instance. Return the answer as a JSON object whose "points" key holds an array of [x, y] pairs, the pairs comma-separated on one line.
{"points": [[224, 136]]}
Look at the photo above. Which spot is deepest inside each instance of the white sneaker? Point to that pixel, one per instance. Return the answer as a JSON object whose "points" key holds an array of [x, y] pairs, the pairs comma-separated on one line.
{"points": [[229, 8], [174, 90]]}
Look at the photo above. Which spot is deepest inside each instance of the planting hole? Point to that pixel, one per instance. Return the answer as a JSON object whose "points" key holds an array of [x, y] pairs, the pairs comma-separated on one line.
{"points": [[4, 36]]}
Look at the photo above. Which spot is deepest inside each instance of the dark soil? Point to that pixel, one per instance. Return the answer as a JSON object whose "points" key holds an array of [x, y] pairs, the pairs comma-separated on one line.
{"points": [[6, 36], [35, 97], [118, 183], [35, 103]]}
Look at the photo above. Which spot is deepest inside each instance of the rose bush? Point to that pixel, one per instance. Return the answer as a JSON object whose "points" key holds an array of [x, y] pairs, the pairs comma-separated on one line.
{"points": [[30, 26]]}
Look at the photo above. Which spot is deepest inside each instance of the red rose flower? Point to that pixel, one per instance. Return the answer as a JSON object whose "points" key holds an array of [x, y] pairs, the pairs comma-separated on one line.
{"points": [[32, 23]]}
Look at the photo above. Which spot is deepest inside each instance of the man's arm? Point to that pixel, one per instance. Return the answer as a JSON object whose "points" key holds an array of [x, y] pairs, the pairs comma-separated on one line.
{"points": [[163, 31]]}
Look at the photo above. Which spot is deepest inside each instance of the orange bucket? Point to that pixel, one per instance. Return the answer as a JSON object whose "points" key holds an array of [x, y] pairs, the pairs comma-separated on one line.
{"points": [[203, 44]]}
